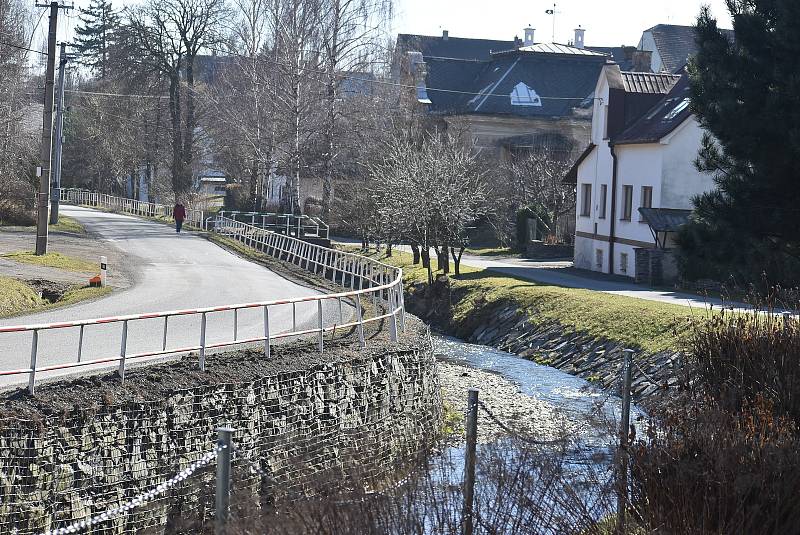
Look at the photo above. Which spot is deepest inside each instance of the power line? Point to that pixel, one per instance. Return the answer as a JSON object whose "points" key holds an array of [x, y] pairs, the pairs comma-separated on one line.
{"points": [[3, 43], [103, 94]]}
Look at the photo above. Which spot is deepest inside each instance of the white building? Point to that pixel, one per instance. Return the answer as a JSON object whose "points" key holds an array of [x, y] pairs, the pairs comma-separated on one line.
{"points": [[636, 180]]}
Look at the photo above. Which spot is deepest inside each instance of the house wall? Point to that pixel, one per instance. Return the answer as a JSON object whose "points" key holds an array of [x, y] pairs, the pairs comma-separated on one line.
{"points": [[648, 43], [681, 179], [487, 130]]}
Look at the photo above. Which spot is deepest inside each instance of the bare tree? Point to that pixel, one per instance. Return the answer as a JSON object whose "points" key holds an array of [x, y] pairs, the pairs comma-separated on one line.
{"points": [[351, 31], [17, 116], [170, 34]]}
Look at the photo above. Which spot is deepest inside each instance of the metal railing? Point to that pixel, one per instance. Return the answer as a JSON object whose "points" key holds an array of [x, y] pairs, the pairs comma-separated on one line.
{"points": [[194, 217], [299, 226], [363, 279]]}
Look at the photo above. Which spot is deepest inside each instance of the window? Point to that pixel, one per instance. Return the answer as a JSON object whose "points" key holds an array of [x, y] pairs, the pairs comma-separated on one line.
{"points": [[522, 95], [682, 105], [647, 199], [627, 202], [586, 200], [598, 259], [623, 262], [603, 190], [219, 189]]}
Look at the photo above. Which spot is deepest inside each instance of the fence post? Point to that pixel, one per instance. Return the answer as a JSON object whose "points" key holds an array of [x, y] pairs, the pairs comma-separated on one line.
{"points": [[320, 323], [622, 482], [393, 310], [123, 349], [223, 498], [203, 342], [266, 331], [360, 323], [786, 318], [469, 461], [34, 354]]}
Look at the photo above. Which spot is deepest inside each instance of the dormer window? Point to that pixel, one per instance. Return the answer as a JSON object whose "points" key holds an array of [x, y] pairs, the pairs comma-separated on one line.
{"points": [[522, 95]]}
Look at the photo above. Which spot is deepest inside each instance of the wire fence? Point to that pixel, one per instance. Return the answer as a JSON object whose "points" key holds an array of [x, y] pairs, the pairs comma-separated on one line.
{"points": [[301, 430]]}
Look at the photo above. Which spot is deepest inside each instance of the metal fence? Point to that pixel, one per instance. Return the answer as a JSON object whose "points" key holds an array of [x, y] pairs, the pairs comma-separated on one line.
{"points": [[300, 226], [365, 280], [196, 218]]}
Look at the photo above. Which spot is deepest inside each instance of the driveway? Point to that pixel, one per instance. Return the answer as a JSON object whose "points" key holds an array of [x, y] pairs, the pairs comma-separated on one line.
{"points": [[171, 271], [561, 273]]}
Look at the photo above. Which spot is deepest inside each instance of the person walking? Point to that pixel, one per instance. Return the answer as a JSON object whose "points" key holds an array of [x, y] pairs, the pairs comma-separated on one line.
{"points": [[178, 214]]}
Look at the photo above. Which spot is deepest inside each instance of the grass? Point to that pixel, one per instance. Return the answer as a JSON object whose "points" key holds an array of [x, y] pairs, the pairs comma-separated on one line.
{"points": [[67, 224], [18, 298], [489, 251], [54, 260], [650, 325]]}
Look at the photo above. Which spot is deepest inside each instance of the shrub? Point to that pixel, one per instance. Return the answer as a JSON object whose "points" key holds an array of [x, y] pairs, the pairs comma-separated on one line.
{"points": [[724, 457]]}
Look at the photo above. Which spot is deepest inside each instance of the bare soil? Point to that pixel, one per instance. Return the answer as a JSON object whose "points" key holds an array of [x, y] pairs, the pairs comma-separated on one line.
{"points": [[84, 246]]}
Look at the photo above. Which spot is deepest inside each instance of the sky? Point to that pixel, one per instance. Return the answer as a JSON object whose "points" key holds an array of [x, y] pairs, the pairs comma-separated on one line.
{"points": [[607, 22]]}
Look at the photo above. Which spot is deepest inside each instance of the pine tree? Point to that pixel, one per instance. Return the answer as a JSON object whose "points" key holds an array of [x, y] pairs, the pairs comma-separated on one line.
{"points": [[745, 95], [95, 35]]}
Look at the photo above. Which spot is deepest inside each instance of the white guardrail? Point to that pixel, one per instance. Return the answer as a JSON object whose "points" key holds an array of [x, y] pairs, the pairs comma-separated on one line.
{"points": [[194, 217], [363, 279]]}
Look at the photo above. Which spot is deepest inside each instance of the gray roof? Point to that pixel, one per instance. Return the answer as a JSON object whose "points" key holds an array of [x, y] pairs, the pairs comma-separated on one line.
{"points": [[661, 119], [665, 219], [562, 81], [452, 47], [621, 55], [675, 44], [648, 82], [555, 48]]}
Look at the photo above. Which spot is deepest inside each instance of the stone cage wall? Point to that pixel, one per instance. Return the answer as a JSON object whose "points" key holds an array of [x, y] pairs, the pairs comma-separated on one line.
{"points": [[304, 424]]}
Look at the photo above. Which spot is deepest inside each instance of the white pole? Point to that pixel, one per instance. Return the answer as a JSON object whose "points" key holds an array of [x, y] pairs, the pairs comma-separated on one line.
{"points": [[103, 269]]}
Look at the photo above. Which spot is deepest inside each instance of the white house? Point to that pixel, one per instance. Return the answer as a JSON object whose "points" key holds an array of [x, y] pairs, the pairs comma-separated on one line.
{"points": [[636, 180]]}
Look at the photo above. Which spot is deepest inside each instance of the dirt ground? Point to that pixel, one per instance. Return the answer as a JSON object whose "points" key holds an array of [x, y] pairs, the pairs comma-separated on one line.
{"points": [[84, 246]]}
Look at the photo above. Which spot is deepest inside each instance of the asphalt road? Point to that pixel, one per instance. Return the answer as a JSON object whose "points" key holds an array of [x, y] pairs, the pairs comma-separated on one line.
{"points": [[171, 271]]}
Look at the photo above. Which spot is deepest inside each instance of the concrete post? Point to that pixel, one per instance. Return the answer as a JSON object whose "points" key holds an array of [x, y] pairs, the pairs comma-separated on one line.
{"points": [[223, 497], [469, 461]]}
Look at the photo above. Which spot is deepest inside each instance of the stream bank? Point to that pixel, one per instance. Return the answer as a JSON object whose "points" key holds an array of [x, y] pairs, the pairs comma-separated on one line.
{"points": [[505, 326]]}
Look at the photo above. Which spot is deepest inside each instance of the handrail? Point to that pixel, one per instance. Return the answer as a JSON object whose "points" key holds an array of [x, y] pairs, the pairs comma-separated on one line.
{"points": [[297, 225], [362, 279]]}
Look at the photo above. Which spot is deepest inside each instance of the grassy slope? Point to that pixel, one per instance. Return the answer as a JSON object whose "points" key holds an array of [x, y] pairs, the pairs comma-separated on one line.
{"points": [[55, 260], [490, 251], [67, 224], [17, 298], [651, 325]]}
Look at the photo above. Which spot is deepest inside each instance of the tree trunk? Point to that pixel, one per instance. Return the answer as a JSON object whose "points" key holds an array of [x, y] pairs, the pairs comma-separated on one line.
{"points": [[457, 259], [443, 259], [177, 139], [415, 253], [389, 246], [426, 258], [191, 123]]}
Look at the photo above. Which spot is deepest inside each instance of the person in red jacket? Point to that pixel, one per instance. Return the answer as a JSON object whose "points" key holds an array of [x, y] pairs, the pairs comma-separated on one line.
{"points": [[178, 214]]}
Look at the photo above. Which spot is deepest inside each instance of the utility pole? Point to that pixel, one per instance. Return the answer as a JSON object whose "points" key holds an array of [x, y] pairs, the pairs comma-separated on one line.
{"points": [[43, 171], [55, 186]]}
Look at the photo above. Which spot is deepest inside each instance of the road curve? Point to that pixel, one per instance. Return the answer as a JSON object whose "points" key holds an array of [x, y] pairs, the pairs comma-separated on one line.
{"points": [[172, 272]]}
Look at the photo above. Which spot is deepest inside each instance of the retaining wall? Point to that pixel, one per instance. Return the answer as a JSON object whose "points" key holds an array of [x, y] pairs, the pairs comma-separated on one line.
{"points": [[305, 423]]}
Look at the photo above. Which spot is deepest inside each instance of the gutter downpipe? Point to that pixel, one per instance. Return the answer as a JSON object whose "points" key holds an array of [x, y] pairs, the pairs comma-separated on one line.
{"points": [[611, 233]]}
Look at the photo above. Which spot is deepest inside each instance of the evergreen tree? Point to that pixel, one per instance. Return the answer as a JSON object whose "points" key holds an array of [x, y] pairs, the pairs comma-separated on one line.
{"points": [[95, 35], [746, 95]]}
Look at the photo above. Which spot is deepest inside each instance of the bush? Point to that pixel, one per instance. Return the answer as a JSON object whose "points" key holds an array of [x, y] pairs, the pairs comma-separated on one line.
{"points": [[724, 457], [17, 203]]}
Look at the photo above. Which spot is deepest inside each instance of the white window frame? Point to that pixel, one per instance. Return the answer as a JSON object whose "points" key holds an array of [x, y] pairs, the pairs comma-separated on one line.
{"points": [[586, 200]]}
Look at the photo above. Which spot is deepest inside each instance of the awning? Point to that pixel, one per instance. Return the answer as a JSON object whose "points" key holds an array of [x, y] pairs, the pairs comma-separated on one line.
{"points": [[665, 219]]}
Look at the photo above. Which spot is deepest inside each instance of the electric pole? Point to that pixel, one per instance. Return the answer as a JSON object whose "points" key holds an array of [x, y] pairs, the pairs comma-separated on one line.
{"points": [[43, 171], [55, 189]]}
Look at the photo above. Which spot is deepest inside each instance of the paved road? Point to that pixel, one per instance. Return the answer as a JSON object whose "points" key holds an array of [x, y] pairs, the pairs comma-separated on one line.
{"points": [[171, 272], [558, 274]]}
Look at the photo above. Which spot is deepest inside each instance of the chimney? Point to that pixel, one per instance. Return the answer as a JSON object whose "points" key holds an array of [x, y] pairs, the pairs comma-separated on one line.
{"points": [[579, 32], [529, 36], [445, 35], [642, 61]]}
